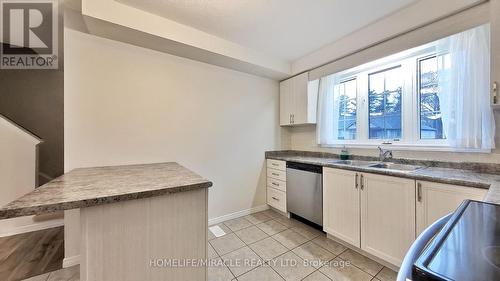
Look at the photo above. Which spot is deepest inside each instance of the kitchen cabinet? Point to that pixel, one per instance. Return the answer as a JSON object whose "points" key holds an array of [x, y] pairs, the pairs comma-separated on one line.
{"points": [[286, 102], [387, 216], [298, 100], [435, 200], [373, 212], [341, 212], [276, 184]]}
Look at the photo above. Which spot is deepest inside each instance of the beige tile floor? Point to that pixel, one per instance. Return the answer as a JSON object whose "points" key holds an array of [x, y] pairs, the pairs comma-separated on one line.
{"points": [[271, 247], [268, 246]]}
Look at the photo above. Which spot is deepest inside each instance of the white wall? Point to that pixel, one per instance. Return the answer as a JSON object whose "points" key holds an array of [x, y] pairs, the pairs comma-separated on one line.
{"points": [[18, 164], [18, 173], [125, 104]]}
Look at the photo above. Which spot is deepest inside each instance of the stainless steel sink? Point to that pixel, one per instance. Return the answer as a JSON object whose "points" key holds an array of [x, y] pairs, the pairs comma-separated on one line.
{"points": [[353, 162], [396, 167]]}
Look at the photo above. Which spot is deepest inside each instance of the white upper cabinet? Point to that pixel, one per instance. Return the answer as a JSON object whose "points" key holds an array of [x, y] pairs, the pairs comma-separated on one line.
{"points": [[435, 200], [286, 102], [298, 100]]}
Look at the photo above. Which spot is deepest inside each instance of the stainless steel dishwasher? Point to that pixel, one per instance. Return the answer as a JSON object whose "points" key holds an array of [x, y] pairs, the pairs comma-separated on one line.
{"points": [[304, 191]]}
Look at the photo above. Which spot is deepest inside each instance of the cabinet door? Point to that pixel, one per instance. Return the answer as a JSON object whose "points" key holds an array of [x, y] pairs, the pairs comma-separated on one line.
{"points": [[286, 102], [435, 200], [301, 101], [387, 216], [341, 205]]}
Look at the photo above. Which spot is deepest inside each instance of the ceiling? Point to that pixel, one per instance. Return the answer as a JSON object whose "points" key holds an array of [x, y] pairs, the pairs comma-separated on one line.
{"points": [[285, 29]]}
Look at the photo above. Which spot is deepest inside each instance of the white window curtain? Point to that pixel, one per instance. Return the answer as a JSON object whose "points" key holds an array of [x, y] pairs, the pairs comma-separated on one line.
{"points": [[328, 110], [464, 90]]}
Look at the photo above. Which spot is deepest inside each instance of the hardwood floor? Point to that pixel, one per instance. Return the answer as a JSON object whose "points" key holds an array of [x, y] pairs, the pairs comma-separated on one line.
{"points": [[29, 254]]}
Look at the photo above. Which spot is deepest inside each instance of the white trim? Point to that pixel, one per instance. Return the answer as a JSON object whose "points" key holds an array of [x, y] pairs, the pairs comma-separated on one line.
{"points": [[71, 261], [32, 226], [402, 146], [15, 127], [237, 214], [410, 138]]}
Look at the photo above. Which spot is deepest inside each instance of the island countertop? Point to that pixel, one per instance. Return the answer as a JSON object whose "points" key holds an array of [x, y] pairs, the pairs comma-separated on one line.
{"points": [[86, 187]]}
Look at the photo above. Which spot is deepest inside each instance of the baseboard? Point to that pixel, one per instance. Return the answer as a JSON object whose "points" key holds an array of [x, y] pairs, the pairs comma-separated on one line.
{"points": [[71, 261], [238, 214], [30, 226]]}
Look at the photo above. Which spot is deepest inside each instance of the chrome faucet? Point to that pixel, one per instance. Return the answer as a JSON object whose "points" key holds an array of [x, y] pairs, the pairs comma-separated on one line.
{"points": [[384, 154]]}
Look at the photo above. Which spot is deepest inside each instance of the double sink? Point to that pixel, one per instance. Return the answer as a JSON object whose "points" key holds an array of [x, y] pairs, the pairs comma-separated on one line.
{"points": [[379, 165]]}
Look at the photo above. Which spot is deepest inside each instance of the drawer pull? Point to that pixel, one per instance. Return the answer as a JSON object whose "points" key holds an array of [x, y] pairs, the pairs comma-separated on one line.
{"points": [[274, 164], [275, 198], [274, 174], [273, 183]]}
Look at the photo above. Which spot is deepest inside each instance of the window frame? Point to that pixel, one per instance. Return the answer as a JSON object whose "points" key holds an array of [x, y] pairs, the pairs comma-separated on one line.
{"points": [[410, 115], [357, 120], [383, 69], [418, 139]]}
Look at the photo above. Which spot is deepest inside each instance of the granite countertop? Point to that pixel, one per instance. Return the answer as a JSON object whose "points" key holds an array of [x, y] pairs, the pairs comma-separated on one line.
{"points": [[86, 187], [453, 176]]}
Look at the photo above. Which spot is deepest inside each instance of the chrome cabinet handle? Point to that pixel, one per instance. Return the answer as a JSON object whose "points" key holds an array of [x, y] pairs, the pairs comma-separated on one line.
{"points": [[290, 119], [274, 164], [275, 198], [273, 183], [274, 174], [361, 182], [356, 181], [419, 192]]}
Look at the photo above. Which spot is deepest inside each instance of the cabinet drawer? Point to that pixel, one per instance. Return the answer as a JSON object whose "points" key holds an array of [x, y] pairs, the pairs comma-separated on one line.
{"points": [[276, 199], [274, 183], [276, 164], [276, 174]]}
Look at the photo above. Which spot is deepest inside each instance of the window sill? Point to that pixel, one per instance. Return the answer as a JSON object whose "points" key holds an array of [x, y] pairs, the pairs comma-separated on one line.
{"points": [[412, 147]]}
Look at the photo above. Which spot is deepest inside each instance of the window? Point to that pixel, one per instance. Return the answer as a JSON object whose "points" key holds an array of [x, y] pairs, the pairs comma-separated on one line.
{"points": [[431, 122], [436, 95], [347, 96], [384, 102]]}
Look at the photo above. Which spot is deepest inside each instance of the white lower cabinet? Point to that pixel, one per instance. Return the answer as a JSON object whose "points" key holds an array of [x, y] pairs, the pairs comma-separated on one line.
{"points": [[383, 215], [276, 199], [276, 184], [387, 216], [435, 200], [341, 212], [372, 212]]}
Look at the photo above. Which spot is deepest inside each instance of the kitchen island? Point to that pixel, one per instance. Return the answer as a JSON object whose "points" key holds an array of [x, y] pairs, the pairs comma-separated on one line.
{"points": [[138, 222]]}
